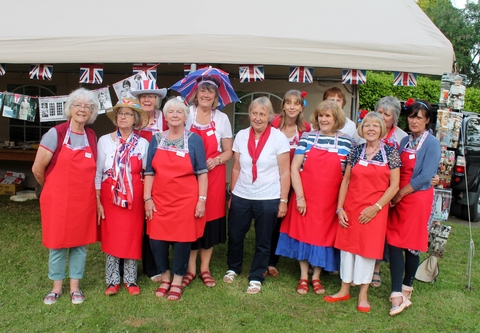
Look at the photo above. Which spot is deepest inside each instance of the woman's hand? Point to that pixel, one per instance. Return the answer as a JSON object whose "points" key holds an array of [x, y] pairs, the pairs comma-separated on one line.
{"points": [[100, 212], [343, 219], [435, 180], [368, 214], [212, 163], [200, 208], [302, 206], [282, 209], [150, 209]]}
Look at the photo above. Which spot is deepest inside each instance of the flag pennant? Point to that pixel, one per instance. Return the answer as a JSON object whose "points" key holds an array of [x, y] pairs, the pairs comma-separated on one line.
{"points": [[149, 69], [41, 72], [187, 68], [251, 73], [301, 74], [354, 76], [91, 73], [2, 69], [405, 79]]}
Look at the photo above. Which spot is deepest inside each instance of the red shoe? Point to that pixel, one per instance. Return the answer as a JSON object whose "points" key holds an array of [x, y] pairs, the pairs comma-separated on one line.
{"points": [[163, 289], [133, 289], [364, 309], [331, 299], [112, 289], [175, 293], [317, 287]]}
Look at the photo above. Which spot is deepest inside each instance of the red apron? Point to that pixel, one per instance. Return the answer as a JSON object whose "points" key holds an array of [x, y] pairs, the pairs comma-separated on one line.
{"points": [[368, 182], [68, 204], [122, 228], [175, 194], [217, 177], [321, 177], [160, 125], [408, 224]]}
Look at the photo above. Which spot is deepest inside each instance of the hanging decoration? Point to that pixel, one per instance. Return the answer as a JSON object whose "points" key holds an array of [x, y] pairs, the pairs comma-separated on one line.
{"points": [[149, 69], [301, 74], [354, 76], [51, 108], [251, 73], [91, 73], [404, 79], [19, 106], [41, 72], [452, 91], [3, 69]]}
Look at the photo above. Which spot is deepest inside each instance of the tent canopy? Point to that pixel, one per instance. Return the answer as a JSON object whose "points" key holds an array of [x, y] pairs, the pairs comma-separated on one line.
{"points": [[387, 35]]}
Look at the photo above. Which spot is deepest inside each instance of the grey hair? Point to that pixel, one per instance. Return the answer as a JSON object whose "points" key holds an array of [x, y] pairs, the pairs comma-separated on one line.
{"points": [[264, 103], [83, 95], [174, 101], [390, 104]]}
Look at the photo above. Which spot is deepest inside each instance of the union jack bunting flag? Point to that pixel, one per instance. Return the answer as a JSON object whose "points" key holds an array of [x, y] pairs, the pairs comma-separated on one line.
{"points": [[405, 79], [2, 69], [301, 74], [251, 73], [149, 69], [41, 72], [188, 67], [91, 73], [354, 76]]}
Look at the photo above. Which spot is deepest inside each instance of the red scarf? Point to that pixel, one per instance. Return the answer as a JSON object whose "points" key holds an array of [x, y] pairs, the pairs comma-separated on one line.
{"points": [[255, 150]]}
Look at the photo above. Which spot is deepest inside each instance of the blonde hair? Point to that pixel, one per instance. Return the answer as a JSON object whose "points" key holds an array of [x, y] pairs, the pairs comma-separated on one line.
{"points": [[337, 112], [373, 117]]}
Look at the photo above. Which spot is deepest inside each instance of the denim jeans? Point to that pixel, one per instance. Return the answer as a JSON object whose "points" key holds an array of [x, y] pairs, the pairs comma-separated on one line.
{"points": [[181, 255], [57, 263]]}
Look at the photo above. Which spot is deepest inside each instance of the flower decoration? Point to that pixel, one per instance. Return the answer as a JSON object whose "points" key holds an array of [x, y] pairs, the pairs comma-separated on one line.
{"points": [[304, 97], [361, 115], [409, 102]]}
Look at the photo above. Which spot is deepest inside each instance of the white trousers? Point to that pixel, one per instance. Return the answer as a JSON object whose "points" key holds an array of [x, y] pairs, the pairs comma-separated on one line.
{"points": [[355, 268]]}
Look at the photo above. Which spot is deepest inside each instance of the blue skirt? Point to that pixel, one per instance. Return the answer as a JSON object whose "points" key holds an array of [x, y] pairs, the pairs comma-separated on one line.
{"points": [[327, 258]]}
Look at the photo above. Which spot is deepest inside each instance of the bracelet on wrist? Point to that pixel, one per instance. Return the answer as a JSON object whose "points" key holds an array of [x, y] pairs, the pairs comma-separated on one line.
{"points": [[219, 160], [145, 200], [300, 198], [202, 197], [378, 205], [284, 200], [338, 210]]}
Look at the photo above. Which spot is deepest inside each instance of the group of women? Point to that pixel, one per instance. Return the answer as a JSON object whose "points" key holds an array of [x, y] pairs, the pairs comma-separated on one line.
{"points": [[159, 180]]}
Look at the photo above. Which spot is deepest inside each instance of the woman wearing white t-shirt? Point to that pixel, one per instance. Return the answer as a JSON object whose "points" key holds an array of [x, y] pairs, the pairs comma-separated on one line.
{"points": [[260, 184]]}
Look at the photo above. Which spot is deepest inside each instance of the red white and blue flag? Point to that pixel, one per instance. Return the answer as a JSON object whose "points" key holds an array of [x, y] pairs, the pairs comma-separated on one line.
{"points": [[41, 72], [187, 68], [354, 76], [251, 73], [149, 69], [91, 73], [405, 79], [2, 69], [301, 74]]}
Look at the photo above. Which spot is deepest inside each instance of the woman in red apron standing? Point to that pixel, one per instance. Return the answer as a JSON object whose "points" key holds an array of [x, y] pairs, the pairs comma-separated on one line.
{"points": [[122, 157], [65, 167], [309, 228], [215, 130], [370, 182], [407, 230], [175, 193]]}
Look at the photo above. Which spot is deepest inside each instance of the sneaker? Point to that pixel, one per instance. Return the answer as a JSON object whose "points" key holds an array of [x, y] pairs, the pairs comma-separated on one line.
{"points": [[51, 298], [133, 289], [77, 297], [112, 289]]}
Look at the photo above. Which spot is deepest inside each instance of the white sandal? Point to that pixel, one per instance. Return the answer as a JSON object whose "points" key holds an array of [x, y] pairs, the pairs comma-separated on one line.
{"points": [[407, 291], [397, 309], [254, 287], [229, 276]]}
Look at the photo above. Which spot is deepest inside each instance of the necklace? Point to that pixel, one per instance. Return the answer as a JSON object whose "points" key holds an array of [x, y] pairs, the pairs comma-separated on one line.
{"points": [[372, 153]]}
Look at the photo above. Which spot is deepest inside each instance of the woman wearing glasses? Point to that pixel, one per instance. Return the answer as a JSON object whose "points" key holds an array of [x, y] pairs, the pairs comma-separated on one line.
{"points": [[118, 182], [65, 167]]}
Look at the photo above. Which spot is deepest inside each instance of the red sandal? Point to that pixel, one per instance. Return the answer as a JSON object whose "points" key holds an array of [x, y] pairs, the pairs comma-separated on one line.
{"points": [[208, 279], [317, 287], [175, 293], [187, 279], [163, 289], [302, 287]]}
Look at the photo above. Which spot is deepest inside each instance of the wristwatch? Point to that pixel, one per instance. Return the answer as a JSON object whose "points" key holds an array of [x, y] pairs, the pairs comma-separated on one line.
{"points": [[284, 200], [202, 197]]}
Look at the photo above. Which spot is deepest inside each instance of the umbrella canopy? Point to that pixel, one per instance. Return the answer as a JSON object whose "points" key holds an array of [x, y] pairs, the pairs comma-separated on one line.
{"points": [[188, 85]]}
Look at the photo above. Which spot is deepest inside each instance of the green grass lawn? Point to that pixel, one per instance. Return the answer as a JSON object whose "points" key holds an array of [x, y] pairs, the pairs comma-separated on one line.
{"points": [[443, 306]]}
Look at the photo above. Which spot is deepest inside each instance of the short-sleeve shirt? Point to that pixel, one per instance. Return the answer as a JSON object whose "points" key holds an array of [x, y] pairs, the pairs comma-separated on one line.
{"points": [[50, 140], [393, 157]]}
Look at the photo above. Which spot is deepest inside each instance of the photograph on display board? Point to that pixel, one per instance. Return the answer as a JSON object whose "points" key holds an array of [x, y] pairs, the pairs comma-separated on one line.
{"points": [[1, 99], [104, 99], [442, 202], [452, 91], [448, 127], [19, 106], [122, 88], [51, 108], [445, 167], [437, 239]]}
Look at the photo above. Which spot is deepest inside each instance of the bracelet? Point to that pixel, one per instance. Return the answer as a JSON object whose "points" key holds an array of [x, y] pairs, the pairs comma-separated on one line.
{"points": [[202, 197], [145, 200], [219, 160], [284, 201], [300, 198], [338, 210], [98, 197], [379, 207]]}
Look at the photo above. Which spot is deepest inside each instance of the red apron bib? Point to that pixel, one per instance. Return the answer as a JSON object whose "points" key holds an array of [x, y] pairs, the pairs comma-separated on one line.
{"points": [[321, 178], [217, 177], [160, 126], [122, 228], [175, 194], [68, 204], [368, 182], [408, 224]]}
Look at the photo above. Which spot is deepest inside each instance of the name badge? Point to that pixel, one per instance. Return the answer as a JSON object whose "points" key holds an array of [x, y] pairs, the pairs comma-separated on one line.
{"points": [[88, 155], [411, 156], [363, 162], [210, 133], [332, 150], [180, 153]]}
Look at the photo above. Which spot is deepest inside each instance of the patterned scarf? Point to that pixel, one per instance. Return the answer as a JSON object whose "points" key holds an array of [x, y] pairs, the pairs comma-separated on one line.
{"points": [[390, 139], [255, 150], [122, 187]]}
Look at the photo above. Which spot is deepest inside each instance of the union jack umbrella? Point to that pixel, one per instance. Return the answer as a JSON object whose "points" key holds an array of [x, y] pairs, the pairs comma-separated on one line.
{"points": [[354, 76], [149, 69], [91, 73], [405, 79], [301, 74], [251, 73], [187, 68], [2, 69], [41, 72], [188, 85]]}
